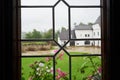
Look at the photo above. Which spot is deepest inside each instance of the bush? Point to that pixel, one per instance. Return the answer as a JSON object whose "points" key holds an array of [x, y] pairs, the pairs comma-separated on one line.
{"points": [[43, 70]]}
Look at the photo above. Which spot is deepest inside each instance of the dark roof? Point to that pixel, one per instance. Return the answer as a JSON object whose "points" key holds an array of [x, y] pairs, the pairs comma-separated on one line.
{"points": [[64, 35], [83, 27], [98, 20], [73, 34]]}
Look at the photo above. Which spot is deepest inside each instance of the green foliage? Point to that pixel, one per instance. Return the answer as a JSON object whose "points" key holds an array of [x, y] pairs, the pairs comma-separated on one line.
{"points": [[33, 34], [82, 23], [41, 70], [37, 34], [48, 34], [56, 35], [63, 29], [34, 43], [82, 67], [90, 23], [89, 69], [22, 78]]}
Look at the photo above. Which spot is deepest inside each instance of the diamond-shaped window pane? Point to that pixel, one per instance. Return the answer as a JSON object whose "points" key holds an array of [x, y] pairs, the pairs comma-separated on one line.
{"points": [[62, 65], [61, 23]]}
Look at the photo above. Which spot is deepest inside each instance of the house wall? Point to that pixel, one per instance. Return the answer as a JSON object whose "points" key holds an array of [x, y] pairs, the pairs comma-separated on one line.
{"points": [[86, 34], [82, 34], [82, 43], [62, 42], [96, 34], [96, 31]]}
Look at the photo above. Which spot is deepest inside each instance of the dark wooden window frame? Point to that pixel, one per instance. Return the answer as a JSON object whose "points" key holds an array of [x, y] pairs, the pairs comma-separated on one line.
{"points": [[16, 38]]}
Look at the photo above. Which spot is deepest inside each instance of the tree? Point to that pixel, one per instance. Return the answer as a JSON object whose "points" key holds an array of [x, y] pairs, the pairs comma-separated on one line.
{"points": [[28, 35], [82, 23], [33, 34], [75, 24], [56, 35], [63, 29], [36, 34], [90, 23], [48, 34]]}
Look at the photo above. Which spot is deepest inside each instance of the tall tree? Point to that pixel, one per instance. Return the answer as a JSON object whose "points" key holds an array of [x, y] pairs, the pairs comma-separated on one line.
{"points": [[33, 34], [36, 34], [63, 29], [48, 34]]}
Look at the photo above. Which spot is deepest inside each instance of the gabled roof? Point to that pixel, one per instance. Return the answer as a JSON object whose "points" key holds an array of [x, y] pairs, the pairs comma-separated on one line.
{"points": [[98, 20], [83, 27], [64, 35]]}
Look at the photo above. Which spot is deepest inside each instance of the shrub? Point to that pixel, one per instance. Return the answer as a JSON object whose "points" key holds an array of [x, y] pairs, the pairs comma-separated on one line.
{"points": [[43, 70]]}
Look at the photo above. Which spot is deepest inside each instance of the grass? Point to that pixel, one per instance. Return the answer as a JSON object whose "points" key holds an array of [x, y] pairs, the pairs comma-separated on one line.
{"points": [[35, 43], [76, 62]]}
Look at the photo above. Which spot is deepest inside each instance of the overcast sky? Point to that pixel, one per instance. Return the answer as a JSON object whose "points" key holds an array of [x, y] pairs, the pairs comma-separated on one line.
{"points": [[41, 18]]}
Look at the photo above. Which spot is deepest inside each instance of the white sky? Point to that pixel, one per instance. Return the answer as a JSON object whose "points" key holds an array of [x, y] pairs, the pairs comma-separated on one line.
{"points": [[41, 18]]}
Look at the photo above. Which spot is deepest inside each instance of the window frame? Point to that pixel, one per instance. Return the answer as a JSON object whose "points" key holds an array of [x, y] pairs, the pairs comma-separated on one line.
{"points": [[104, 44]]}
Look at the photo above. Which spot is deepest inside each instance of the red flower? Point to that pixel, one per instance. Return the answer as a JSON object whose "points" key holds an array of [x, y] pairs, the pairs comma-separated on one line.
{"points": [[48, 58], [61, 56], [99, 69], [60, 74]]}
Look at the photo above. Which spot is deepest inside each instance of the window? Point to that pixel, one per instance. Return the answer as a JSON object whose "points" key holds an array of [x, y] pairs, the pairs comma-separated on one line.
{"points": [[98, 33], [44, 29], [94, 33], [88, 35], [85, 35]]}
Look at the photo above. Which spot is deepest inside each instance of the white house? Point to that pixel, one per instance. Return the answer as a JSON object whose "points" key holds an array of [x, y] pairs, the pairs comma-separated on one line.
{"points": [[82, 32]]}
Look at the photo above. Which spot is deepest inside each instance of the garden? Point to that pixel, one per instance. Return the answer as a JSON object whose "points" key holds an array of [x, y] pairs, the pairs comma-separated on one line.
{"points": [[41, 68]]}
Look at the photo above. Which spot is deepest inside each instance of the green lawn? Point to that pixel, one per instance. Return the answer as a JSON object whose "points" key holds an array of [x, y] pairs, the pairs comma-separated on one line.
{"points": [[78, 63]]}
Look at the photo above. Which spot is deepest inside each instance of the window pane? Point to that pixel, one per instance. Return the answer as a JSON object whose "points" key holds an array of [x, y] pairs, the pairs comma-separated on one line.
{"points": [[85, 21], [86, 68], [83, 2], [36, 68], [36, 23], [61, 23], [39, 48], [38, 2], [84, 47], [62, 66]]}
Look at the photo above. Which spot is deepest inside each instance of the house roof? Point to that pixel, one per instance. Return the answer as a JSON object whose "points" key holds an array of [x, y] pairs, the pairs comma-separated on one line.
{"points": [[64, 35], [83, 27], [98, 20]]}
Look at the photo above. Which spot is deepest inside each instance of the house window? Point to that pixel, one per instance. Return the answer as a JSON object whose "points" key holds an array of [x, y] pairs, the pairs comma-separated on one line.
{"points": [[98, 33], [85, 35], [77, 43], [42, 52], [94, 33], [88, 35]]}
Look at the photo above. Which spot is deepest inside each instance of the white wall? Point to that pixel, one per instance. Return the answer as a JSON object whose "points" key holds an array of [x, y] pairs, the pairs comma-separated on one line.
{"points": [[61, 42], [81, 34], [82, 43], [96, 31], [97, 34]]}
